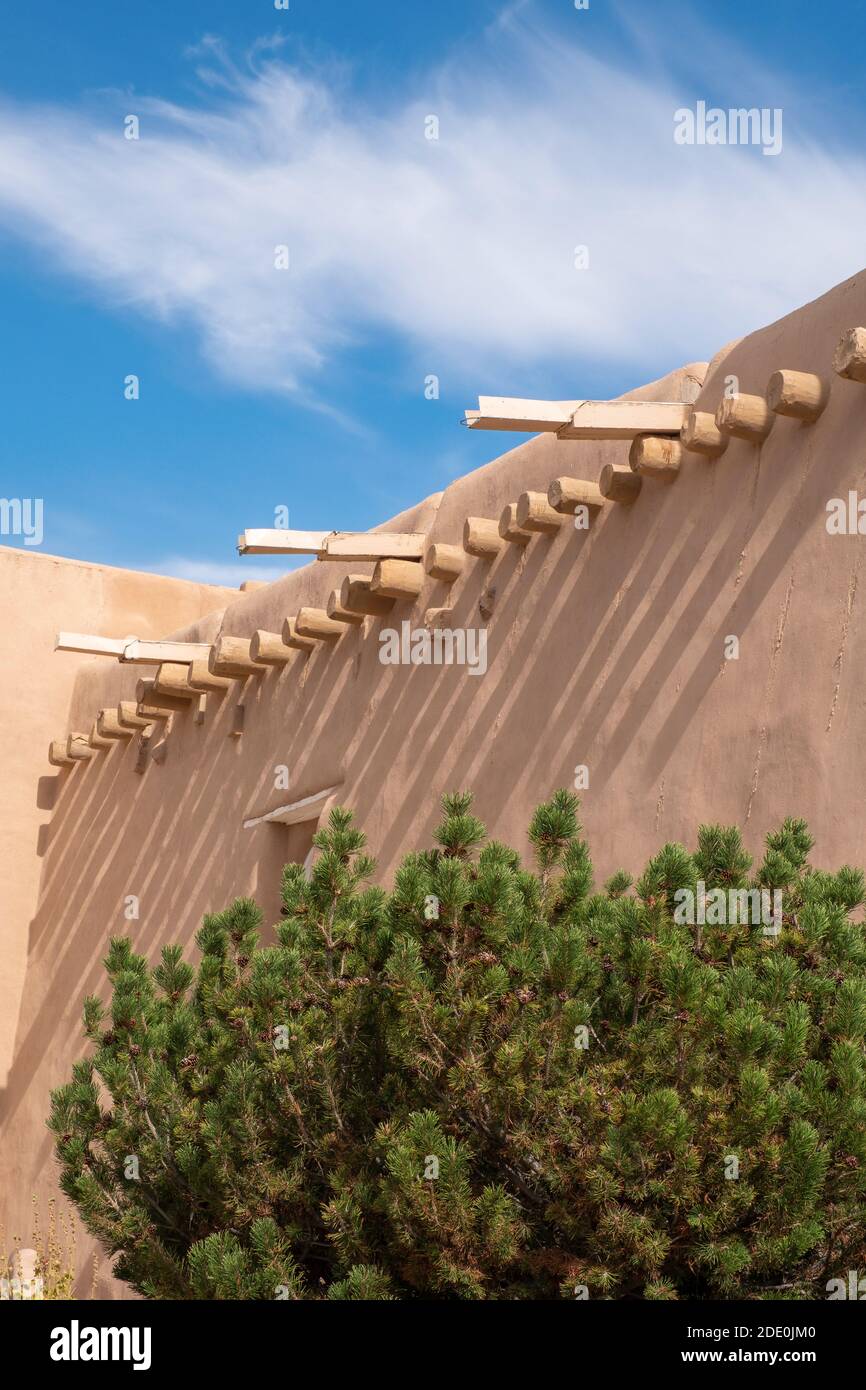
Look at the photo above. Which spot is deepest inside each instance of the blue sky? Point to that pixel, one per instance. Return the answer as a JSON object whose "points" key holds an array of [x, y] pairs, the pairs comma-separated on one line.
{"points": [[304, 388]]}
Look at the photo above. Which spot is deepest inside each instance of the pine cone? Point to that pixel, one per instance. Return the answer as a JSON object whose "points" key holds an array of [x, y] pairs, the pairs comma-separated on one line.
{"points": [[187, 1062]]}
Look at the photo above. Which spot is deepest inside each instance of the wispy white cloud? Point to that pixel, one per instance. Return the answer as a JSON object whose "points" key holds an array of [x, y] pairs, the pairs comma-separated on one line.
{"points": [[231, 575], [461, 248]]}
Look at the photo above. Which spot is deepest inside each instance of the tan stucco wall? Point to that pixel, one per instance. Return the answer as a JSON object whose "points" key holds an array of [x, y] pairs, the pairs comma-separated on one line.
{"points": [[605, 649]]}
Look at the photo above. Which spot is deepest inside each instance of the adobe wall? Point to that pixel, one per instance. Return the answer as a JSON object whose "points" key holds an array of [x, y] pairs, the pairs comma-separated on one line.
{"points": [[605, 648]]}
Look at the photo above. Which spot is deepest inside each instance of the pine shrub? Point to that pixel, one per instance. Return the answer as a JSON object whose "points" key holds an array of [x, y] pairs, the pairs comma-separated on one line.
{"points": [[490, 1082]]}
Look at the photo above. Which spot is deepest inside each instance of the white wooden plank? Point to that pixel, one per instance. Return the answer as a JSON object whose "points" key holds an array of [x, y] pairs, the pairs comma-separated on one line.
{"points": [[375, 545], [624, 419], [514, 413], [578, 419], [281, 541], [89, 645], [145, 653], [307, 808]]}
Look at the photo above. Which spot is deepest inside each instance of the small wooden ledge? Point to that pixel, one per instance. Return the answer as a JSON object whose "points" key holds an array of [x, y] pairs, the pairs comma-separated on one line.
{"points": [[481, 537], [57, 754], [619, 484], [534, 513], [799, 395], [397, 579], [745, 417], [445, 562], [78, 748], [656, 457]]}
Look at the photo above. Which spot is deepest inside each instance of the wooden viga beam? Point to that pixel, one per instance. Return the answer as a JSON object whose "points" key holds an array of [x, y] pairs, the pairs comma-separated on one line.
{"points": [[397, 579], [78, 748], [849, 359], [230, 656], [335, 545], [339, 614], [445, 562], [356, 596], [800, 395], [578, 419], [567, 494], [57, 754], [172, 678], [701, 435], [656, 457], [109, 726], [129, 718], [269, 649], [149, 697]]}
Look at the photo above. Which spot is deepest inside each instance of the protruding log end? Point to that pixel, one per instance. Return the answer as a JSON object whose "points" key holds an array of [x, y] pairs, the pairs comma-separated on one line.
{"points": [[437, 617], [445, 562], [269, 649], [481, 537], [745, 417], [339, 614], [147, 694], [567, 494], [356, 596], [172, 678], [701, 435], [398, 579], [315, 623], [800, 395], [128, 717], [109, 726], [509, 529], [849, 359], [230, 656], [619, 484], [78, 748], [656, 457], [203, 682], [57, 754], [534, 513], [293, 640], [95, 739]]}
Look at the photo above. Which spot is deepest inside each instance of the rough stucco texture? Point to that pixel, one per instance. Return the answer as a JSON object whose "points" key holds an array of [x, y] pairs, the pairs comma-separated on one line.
{"points": [[606, 649]]}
